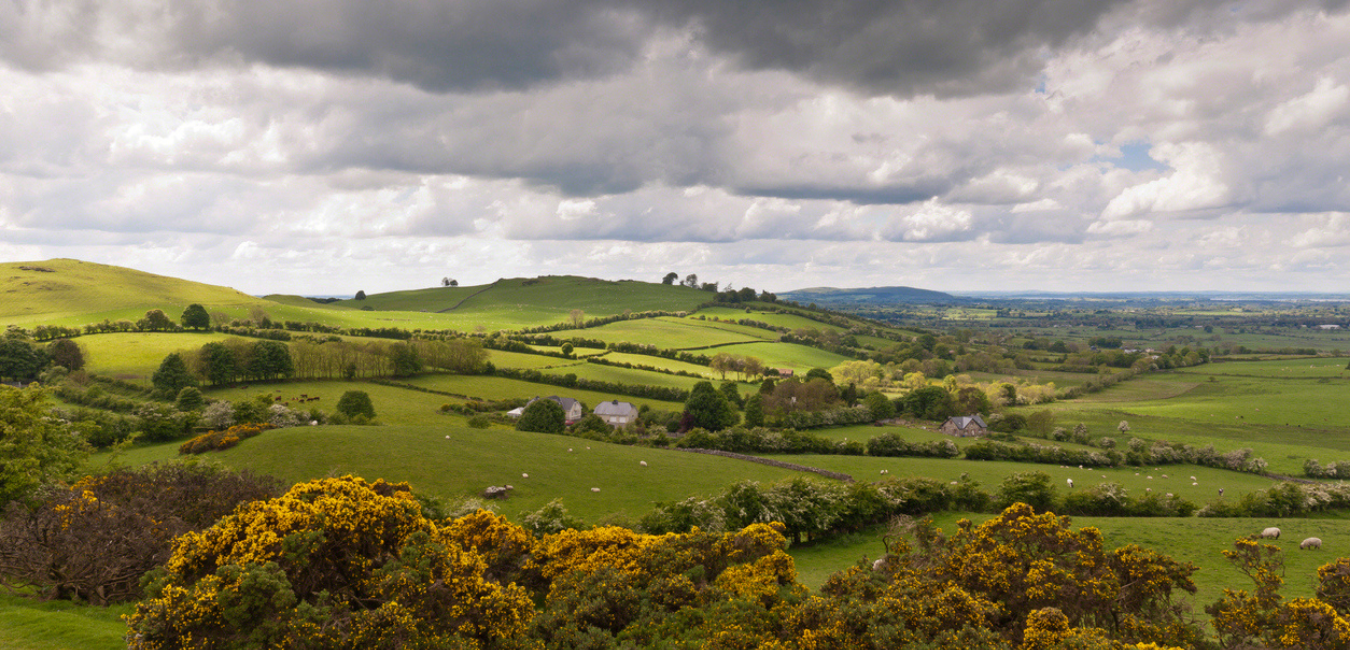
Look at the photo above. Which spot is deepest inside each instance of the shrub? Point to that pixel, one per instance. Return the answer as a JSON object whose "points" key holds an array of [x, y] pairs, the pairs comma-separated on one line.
{"points": [[542, 416], [333, 563], [190, 399], [355, 403], [218, 440], [94, 540]]}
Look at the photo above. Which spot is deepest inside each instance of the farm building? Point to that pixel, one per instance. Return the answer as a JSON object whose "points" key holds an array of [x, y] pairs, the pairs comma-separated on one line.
{"points": [[617, 414], [964, 426]]}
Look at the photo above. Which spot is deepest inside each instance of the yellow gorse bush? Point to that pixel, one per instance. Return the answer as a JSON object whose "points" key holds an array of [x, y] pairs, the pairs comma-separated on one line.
{"points": [[333, 563]]}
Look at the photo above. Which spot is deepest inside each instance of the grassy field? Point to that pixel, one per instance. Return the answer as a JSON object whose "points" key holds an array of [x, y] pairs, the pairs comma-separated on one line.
{"points": [[1286, 411], [660, 362], [600, 372], [787, 355], [521, 302], [26, 624], [497, 388], [134, 356], [676, 333], [526, 361], [461, 461]]}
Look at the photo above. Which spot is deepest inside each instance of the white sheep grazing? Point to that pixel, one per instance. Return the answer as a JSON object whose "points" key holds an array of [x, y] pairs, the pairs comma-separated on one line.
{"points": [[1193, 478], [595, 489], [642, 463], [1270, 533], [1311, 543], [1070, 483], [524, 475]]}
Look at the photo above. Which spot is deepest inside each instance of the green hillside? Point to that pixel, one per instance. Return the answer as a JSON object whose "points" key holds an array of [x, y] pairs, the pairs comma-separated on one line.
{"points": [[527, 302], [70, 291]]}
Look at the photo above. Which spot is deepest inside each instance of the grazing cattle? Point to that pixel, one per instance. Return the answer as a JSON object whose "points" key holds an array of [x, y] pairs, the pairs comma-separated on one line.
{"points": [[1311, 543], [1270, 533]]}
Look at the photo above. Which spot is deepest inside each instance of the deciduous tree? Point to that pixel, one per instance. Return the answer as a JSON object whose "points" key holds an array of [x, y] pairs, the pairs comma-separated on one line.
{"points": [[172, 376], [542, 416], [34, 446], [708, 409], [196, 317], [356, 403], [65, 353]]}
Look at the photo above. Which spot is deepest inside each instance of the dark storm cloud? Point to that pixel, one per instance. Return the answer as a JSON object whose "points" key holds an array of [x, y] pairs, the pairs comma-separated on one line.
{"points": [[900, 47], [435, 45], [943, 47]]}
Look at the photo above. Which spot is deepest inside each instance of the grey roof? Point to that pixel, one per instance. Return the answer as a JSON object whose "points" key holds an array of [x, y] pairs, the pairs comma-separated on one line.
{"points": [[615, 407], [566, 402], [963, 421]]}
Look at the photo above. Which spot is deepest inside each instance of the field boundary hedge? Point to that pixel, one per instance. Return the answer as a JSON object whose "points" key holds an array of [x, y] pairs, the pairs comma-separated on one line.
{"points": [[838, 476]]}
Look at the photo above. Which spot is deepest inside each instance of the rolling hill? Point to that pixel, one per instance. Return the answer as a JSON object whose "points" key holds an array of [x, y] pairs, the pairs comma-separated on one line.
{"points": [[58, 290]]}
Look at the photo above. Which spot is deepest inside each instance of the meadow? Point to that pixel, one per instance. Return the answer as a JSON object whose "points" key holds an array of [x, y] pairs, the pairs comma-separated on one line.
{"points": [[458, 461], [1286, 410]]}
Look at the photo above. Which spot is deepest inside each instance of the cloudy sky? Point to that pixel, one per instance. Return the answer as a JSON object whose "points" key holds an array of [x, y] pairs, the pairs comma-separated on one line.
{"points": [[325, 146]]}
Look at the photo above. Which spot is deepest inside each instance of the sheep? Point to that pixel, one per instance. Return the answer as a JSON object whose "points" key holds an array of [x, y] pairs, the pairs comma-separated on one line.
{"points": [[1220, 491], [1070, 483], [595, 489], [642, 463], [1194, 479], [1311, 543], [524, 475], [1270, 533]]}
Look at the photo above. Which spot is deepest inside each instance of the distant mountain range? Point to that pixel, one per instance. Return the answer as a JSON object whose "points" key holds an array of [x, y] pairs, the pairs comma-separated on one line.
{"points": [[868, 296]]}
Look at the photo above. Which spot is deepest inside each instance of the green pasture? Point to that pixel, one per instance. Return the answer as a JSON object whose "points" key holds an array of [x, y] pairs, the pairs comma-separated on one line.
{"points": [[72, 292], [499, 388], [457, 461], [521, 360], [667, 332], [136, 355], [754, 333], [576, 351], [1312, 368], [1194, 540], [990, 474], [777, 319], [660, 362], [599, 372], [520, 302], [27, 624], [431, 299], [1285, 411], [393, 405], [797, 357]]}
